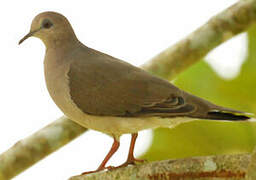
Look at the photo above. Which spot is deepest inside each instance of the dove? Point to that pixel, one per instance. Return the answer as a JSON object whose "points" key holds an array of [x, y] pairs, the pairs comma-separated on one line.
{"points": [[106, 94]]}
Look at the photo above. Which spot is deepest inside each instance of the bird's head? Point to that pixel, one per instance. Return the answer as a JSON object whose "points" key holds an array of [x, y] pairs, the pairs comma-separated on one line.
{"points": [[51, 28]]}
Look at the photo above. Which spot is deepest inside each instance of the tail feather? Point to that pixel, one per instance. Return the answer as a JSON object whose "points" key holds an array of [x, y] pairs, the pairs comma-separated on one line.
{"points": [[227, 116], [207, 110]]}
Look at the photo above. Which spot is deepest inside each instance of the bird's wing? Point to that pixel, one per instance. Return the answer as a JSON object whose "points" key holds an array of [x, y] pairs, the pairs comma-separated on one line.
{"points": [[103, 85]]}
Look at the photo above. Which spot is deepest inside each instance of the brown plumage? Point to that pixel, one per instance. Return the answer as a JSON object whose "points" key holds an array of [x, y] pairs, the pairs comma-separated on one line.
{"points": [[104, 93]]}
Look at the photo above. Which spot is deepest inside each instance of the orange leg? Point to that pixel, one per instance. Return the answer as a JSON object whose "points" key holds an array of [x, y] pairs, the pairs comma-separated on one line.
{"points": [[131, 159], [112, 151]]}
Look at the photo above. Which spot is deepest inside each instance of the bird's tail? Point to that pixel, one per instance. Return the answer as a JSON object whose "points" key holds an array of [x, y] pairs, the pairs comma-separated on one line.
{"points": [[230, 115], [208, 110]]}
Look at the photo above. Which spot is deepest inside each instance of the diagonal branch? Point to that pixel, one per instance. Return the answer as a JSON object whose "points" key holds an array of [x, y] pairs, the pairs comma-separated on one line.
{"points": [[193, 48], [167, 64], [30, 150]]}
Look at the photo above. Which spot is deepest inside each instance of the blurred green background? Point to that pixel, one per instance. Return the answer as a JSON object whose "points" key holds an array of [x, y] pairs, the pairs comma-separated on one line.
{"points": [[210, 137]]}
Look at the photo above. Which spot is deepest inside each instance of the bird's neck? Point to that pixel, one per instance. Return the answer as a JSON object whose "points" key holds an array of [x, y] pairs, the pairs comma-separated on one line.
{"points": [[60, 43], [58, 51]]}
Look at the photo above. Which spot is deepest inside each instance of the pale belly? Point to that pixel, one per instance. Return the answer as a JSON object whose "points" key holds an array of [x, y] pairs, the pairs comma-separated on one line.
{"points": [[116, 126]]}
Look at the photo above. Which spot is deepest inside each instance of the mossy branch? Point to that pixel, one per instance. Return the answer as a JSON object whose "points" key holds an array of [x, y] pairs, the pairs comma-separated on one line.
{"points": [[167, 64]]}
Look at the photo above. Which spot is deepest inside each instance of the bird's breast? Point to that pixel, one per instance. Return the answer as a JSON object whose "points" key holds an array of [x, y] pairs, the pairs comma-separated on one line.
{"points": [[57, 82]]}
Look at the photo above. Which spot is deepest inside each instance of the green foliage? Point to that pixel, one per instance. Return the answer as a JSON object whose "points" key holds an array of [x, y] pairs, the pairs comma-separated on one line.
{"points": [[212, 137]]}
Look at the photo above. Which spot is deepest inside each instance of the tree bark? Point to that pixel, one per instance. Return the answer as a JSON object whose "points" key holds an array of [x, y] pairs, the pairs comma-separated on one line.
{"points": [[222, 167]]}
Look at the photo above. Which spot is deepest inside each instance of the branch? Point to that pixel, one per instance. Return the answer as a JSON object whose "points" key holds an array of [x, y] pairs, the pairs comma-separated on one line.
{"points": [[167, 64], [193, 48], [30, 150], [224, 167]]}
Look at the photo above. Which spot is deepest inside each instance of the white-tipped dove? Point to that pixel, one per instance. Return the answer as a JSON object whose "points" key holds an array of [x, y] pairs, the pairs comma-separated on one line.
{"points": [[109, 95]]}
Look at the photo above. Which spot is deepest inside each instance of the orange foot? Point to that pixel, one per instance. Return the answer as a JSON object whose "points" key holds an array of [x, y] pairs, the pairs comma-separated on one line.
{"points": [[97, 170], [128, 162]]}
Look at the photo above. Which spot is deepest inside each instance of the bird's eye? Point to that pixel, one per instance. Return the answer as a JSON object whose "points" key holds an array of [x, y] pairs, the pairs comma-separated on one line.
{"points": [[47, 24]]}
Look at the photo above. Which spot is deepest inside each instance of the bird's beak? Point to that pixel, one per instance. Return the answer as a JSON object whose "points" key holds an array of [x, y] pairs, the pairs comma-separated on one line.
{"points": [[31, 33]]}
